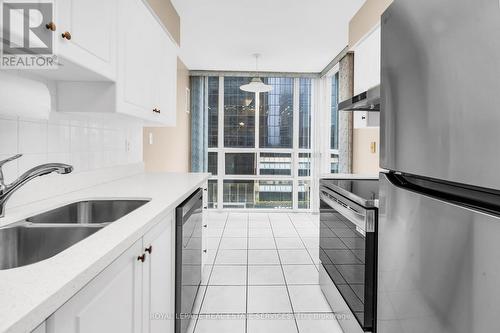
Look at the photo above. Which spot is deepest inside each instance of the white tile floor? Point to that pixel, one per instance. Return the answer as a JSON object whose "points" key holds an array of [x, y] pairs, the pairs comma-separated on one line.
{"points": [[263, 276]]}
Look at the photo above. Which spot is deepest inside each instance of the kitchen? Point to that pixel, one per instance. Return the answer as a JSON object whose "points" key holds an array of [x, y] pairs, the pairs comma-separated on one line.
{"points": [[165, 171]]}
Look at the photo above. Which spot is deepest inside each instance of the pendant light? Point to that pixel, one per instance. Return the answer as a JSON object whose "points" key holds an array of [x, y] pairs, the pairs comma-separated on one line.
{"points": [[256, 85]]}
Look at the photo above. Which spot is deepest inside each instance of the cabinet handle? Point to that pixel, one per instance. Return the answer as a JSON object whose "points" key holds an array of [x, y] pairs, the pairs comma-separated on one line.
{"points": [[149, 249], [66, 35], [155, 110], [204, 251], [142, 257], [205, 226], [51, 26]]}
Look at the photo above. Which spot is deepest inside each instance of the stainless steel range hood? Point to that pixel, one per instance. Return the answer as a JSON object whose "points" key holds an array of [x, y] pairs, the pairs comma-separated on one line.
{"points": [[366, 101]]}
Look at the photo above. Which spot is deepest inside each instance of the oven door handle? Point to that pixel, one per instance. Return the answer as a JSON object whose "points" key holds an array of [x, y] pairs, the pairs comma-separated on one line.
{"points": [[364, 221]]}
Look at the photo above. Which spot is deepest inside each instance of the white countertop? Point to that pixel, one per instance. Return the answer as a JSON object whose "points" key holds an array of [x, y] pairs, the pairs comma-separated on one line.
{"points": [[29, 294], [348, 176]]}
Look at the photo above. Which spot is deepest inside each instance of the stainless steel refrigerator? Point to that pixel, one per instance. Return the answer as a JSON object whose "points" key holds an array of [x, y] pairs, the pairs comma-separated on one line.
{"points": [[439, 222]]}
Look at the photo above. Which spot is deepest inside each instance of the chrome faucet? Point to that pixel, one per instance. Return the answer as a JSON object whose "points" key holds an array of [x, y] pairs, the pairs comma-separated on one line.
{"points": [[7, 190]]}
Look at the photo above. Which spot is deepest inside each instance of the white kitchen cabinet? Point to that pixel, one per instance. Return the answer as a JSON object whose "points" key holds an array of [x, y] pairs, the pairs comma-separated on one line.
{"points": [[92, 26], [135, 57], [165, 91], [367, 53], [146, 77], [111, 302], [135, 294], [147, 66], [159, 278]]}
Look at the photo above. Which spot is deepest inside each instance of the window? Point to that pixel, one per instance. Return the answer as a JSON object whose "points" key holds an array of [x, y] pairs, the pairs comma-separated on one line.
{"points": [[276, 114], [334, 126], [212, 163], [268, 167], [239, 114], [212, 193], [213, 111], [305, 114], [274, 194], [238, 193], [304, 192], [271, 194], [240, 164], [304, 164], [334, 163], [275, 164], [334, 133]]}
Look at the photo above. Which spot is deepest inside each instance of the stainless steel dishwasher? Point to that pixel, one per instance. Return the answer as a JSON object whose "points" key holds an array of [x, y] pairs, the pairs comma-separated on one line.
{"points": [[188, 253]]}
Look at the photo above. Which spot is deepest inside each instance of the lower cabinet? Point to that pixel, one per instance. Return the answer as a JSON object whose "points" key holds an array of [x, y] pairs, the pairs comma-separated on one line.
{"points": [[133, 294], [159, 279]]}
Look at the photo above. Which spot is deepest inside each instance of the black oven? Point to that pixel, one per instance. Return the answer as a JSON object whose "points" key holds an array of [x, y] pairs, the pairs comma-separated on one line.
{"points": [[348, 250]]}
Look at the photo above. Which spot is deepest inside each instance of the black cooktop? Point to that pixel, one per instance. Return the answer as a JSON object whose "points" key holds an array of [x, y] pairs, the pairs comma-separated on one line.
{"points": [[363, 191]]}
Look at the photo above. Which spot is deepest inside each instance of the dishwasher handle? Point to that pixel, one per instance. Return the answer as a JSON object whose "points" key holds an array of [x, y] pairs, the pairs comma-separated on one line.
{"points": [[191, 203]]}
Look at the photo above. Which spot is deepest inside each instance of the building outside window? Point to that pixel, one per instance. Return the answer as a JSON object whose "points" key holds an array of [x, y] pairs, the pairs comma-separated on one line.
{"points": [[259, 160], [213, 111], [334, 126], [239, 114]]}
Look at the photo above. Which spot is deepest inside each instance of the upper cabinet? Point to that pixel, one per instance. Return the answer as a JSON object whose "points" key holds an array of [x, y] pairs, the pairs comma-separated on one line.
{"points": [[367, 62], [367, 54], [142, 58], [147, 59], [86, 33], [113, 56]]}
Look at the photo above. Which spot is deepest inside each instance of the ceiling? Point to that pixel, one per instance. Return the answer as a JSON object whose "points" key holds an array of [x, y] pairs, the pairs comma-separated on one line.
{"points": [[290, 35]]}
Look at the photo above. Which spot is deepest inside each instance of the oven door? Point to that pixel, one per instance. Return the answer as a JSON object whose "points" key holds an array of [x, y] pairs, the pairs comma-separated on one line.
{"points": [[348, 257]]}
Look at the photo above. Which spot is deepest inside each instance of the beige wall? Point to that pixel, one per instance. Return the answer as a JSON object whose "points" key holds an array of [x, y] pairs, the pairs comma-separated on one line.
{"points": [[169, 16], [171, 148], [366, 19], [364, 160]]}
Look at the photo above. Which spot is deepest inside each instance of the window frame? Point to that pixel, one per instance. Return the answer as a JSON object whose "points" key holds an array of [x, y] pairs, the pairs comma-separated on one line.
{"points": [[221, 151]]}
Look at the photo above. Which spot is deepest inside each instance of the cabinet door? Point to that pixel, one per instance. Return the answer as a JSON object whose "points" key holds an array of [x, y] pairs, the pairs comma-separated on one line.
{"points": [[111, 302], [136, 59], [92, 25], [159, 278], [166, 79]]}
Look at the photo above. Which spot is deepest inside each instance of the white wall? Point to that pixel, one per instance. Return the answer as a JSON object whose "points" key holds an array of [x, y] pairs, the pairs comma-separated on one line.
{"points": [[87, 141]]}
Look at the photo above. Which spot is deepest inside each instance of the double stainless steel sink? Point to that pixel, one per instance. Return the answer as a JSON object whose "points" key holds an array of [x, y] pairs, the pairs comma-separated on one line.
{"points": [[42, 236]]}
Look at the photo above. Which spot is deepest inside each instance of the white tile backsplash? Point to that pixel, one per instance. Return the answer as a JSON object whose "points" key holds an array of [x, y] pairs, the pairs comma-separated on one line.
{"points": [[32, 137], [58, 138], [8, 136], [101, 147], [86, 142]]}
